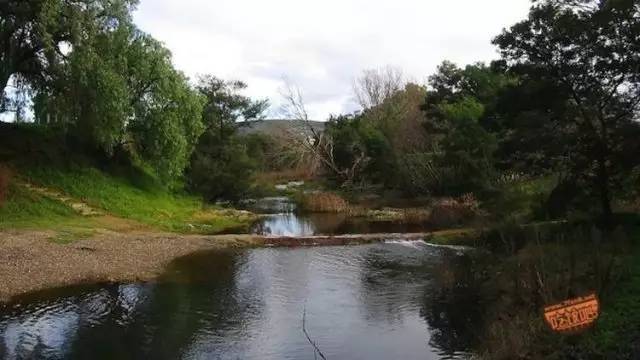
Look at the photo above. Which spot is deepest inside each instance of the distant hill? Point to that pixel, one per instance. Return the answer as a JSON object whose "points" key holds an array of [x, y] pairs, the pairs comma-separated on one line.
{"points": [[278, 126]]}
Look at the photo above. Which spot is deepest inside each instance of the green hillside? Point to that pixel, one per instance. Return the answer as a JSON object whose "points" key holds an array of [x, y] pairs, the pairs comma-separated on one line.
{"points": [[43, 160]]}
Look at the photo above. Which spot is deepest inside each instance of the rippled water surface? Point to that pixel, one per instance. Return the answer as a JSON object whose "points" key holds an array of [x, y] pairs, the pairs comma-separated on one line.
{"points": [[398, 300]]}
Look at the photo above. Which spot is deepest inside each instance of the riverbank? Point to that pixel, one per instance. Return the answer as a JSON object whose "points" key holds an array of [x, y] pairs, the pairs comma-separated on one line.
{"points": [[30, 261]]}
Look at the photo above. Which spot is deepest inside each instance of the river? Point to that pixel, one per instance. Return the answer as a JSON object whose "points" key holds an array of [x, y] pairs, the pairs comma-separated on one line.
{"points": [[383, 301], [281, 219], [392, 300]]}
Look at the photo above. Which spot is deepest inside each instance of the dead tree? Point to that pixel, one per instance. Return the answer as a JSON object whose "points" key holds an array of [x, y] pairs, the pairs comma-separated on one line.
{"points": [[313, 145], [374, 86]]}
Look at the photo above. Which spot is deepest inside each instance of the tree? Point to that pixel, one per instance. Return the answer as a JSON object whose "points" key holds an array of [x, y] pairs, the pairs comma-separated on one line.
{"points": [[93, 73], [226, 106], [35, 33], [220, 166], [374, 86], [467, 148], [397, 126], [590, 50], [450, 84], [220, 170], [167, 125], [349, 151], [461, 117]]}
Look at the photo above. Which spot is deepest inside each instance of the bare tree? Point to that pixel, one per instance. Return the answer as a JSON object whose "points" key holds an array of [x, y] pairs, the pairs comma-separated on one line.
{"points": [[374, 86], [294, 105], [313, 146]]}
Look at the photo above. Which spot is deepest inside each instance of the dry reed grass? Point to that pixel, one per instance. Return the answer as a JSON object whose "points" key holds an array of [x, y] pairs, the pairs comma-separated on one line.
{"points": [[323, 202], [285, 176], [454, 211]]}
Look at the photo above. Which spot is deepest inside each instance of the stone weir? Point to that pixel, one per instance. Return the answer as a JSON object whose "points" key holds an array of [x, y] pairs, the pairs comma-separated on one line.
{"points": [[328, 240]]}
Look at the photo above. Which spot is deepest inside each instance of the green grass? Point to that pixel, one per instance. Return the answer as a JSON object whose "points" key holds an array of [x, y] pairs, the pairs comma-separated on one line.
{"points": [[150, 205], [24, 209], [519, 201], [118, 186], [619, 324], [461, 237]]}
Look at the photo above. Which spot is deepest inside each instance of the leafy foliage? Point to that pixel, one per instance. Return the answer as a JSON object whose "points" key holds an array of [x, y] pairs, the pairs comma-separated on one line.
{"points": [[220, 166], [221, 170], [93, 73], [460, 113], [588, 51]]}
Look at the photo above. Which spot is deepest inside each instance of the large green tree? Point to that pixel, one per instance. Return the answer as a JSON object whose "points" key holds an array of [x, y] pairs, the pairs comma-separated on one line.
{"points": [[589, 51], [220, 166], [92, 72], [35, 34], [462, 118]]}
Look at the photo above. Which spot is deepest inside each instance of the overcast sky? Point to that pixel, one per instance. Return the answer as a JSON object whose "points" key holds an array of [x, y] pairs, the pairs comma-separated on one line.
{"points": [[322, 45]]}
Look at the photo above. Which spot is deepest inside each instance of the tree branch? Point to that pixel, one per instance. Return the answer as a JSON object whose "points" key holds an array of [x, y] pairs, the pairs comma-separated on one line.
{"points": [[316, 349]]}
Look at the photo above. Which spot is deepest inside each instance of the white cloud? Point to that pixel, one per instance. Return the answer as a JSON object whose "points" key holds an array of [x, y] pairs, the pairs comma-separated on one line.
{"points": [[322, 45]]}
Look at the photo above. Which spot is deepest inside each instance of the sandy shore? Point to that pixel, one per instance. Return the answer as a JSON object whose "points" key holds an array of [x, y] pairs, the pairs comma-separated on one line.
{"points": [[29, 261]]}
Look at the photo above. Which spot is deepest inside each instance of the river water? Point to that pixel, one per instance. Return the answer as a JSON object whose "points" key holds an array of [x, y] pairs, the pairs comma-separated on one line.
{"points": [[281, 219], [392, 300], [399, 300]]}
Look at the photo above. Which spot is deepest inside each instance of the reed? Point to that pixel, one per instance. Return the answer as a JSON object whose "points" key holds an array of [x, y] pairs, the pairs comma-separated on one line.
{"points": [[325, 202], [447, 212]]}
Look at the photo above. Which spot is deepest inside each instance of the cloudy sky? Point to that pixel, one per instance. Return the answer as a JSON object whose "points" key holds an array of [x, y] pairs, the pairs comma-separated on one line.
{"points": [[322, 45]]}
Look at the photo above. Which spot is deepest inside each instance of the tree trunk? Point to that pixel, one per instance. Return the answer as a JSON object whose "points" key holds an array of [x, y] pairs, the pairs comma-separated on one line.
{"points": [[4, 81], [605, 194]]}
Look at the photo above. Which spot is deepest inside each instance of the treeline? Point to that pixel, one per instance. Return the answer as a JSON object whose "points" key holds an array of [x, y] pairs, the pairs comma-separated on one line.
{"points": [[562, 101], [90, 73]]}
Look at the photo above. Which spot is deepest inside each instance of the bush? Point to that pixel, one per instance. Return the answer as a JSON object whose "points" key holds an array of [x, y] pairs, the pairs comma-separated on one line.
{"points": [[220, 170], [5, 178], [422, 173], [323, 202], [448, 212]]}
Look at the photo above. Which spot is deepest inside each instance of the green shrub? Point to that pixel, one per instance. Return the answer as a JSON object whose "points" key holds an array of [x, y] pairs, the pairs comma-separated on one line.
{"points": [[220, 170]]}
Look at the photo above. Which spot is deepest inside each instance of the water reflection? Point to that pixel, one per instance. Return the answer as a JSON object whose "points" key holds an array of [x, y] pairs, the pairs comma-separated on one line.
{"points": [[383, 301], [282, 220], [293, 224]]}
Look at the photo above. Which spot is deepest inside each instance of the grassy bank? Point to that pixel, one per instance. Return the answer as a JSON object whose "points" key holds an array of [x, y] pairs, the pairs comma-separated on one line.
{"points": [[126, 193], [150, 205], [118, 201], [530, 267], [618, 330], [25, 209]]}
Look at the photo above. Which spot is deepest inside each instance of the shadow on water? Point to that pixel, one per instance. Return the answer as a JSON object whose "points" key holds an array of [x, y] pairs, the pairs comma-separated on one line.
{"points": [[382, 301], [117, 321]]}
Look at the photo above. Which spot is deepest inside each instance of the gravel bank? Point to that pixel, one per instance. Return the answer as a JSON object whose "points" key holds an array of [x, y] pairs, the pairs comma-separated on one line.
{"points": [[30, 262]]}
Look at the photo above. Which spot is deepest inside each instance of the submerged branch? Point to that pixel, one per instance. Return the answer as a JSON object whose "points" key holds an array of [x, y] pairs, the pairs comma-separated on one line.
{"points": [[304, 330]]}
